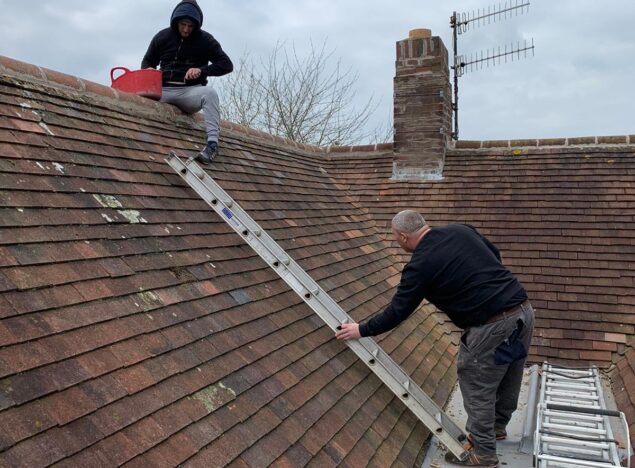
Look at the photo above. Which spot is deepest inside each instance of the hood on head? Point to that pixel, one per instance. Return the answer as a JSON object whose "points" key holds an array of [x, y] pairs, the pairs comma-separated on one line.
{"points": [[187, 9]]}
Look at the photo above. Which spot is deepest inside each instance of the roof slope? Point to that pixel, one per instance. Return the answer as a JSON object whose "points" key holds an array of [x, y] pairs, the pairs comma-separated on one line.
{"points": [[563, 218], [137, 329]]}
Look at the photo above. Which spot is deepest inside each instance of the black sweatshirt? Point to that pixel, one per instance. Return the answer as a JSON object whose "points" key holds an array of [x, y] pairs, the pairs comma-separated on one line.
{"points": [[460, 272], [176, 55]]}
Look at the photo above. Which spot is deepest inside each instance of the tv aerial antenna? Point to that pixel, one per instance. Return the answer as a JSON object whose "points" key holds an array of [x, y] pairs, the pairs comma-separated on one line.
{"points": [[463, 22]]}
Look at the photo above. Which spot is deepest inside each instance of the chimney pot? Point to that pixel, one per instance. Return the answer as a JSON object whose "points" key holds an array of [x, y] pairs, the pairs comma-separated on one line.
{"points": [[420, 33]]}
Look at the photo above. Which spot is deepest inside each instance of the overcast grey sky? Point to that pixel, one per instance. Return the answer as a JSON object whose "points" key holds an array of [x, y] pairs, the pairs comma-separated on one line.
{"points": [[579, 83]]}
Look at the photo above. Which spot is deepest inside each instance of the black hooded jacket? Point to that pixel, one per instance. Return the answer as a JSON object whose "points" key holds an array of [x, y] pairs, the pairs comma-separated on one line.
{"points": [[177, 55]]}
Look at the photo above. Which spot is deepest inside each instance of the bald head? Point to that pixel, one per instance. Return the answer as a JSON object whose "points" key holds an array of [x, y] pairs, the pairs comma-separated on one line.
{"points": [[408, 221]]}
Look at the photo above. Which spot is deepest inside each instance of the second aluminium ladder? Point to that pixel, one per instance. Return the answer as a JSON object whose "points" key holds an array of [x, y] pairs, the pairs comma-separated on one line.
{"points": [[573, 429], [426, 410]]}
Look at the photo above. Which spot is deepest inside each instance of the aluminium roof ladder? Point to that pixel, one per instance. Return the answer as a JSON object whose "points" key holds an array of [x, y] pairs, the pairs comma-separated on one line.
{"points": [[426, 410], [572, 422]]}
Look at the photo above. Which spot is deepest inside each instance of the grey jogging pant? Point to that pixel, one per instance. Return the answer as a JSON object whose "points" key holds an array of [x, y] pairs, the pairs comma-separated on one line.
{"points": [[191, 99], [490, 391]]}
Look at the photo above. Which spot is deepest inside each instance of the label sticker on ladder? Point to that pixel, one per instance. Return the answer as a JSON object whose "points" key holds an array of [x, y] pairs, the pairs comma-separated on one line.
{"points": [[230, 216]]}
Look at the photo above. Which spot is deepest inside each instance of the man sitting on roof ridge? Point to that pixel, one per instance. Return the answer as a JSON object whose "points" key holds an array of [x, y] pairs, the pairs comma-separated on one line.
{"points": [[184, 52]]}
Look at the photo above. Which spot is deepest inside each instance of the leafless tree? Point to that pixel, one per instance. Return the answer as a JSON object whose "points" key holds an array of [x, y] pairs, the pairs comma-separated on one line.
{"points": [[306, 99]]}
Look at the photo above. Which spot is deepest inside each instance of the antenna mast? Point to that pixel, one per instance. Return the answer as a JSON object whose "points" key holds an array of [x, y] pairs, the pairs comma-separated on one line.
{"points": [[461, 23]]}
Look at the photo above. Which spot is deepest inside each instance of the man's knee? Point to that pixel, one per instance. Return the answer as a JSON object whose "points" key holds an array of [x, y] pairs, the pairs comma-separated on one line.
{"points": [[210, 94]]}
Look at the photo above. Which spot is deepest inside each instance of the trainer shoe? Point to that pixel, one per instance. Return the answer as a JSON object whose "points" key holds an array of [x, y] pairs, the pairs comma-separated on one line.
{"points": [[209, 153], [486, 460]]}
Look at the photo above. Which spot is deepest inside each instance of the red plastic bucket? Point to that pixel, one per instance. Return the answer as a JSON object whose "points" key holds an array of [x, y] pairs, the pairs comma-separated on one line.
{"points": [[146, 83]]}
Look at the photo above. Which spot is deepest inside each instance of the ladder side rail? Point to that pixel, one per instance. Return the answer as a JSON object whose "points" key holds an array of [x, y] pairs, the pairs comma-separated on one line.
{"points": [[538, 444], [614, 454], [329, 311]]}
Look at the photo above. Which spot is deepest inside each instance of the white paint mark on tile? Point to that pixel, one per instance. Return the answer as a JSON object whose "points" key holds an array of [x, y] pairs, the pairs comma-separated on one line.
{"points": [[20, 210], [45, 127], [39, 165], [25, 105], [105, 216], [59, 167]]}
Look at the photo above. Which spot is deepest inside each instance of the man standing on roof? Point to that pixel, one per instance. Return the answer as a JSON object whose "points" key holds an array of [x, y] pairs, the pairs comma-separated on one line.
{"points": [[460, 272], [184, 52]]}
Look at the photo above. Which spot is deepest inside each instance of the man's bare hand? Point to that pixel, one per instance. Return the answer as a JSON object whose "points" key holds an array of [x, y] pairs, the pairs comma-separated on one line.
{"points": [[348, 331], [193, 73]]}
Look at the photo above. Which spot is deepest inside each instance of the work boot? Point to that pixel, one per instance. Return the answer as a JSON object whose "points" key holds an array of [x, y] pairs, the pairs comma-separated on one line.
{"points": [[501, 434], [487, 460], [209, 153]]}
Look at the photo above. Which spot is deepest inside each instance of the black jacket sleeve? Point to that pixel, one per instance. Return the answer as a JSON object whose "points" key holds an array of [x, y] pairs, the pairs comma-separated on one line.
{"points": [[410, 292], [151, 58], [220, 61]]}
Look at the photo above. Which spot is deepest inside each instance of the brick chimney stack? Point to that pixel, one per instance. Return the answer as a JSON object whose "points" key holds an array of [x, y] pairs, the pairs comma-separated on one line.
{"points": [[423, 107]]}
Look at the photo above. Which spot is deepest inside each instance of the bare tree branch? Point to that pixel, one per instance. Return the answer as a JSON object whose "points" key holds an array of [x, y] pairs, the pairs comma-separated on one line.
{"points": [[307, 99]]}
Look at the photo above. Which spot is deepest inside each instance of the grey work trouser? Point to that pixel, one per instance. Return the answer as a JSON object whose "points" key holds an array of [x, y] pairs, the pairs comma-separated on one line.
{"points": [[490, 390], [191, 99]]}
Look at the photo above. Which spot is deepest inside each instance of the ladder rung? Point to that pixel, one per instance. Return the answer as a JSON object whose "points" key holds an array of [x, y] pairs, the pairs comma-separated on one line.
{"points": [[571, 386], [575, 416], [571, 395], [575, 462], [573, 428], [565, 379], [573, 422], [576, 372], [573, 442]]}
